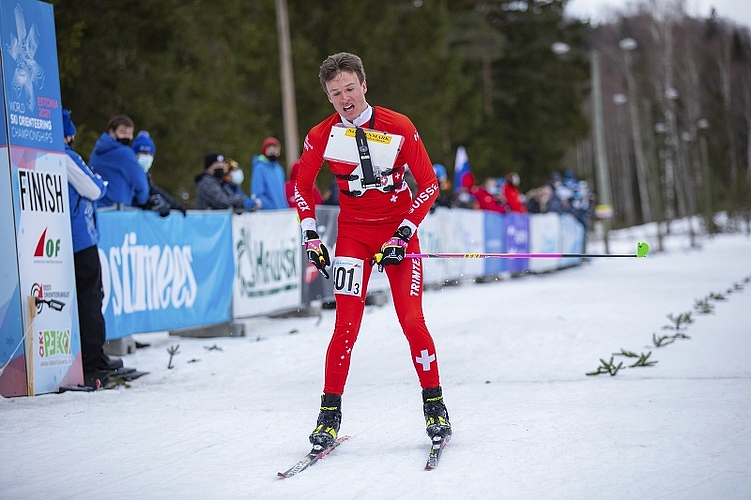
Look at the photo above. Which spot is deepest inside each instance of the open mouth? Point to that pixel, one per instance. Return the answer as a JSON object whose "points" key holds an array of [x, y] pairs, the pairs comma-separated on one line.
{"points": [[349, 108]]}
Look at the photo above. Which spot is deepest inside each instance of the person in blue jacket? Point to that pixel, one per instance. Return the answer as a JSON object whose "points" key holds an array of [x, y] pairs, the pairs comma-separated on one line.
{"points": [[268, 177], [84, 189], [115, 161]]}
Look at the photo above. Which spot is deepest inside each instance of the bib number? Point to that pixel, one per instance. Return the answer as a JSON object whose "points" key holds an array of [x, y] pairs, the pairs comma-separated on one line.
{"points": [[348, 276]]}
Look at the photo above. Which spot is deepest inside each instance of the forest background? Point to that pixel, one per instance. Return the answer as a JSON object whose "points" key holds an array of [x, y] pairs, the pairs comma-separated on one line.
{"points": [[512, 81]]}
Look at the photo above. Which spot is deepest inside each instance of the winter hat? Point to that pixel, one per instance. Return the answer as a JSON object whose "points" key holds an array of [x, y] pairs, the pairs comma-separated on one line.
{"points": [[440, 171], [267, 142], [143, 144], [68, 127], [210, 158]]}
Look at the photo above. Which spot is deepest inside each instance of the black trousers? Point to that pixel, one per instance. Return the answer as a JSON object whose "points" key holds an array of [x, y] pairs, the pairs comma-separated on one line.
{"points": [[90, 296]]}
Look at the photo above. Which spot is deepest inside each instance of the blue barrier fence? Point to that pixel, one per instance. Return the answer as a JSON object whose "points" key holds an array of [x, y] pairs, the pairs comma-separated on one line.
{"points": [[210, 267]]}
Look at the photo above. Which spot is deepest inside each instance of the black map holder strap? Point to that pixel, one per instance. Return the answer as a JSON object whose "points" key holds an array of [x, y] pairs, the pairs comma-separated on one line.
{"points": [[362, 148]]}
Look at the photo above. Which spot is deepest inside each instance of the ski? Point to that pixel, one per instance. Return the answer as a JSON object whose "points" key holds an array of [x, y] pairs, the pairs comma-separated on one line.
{"points": [[435, 451], [315, 455]]}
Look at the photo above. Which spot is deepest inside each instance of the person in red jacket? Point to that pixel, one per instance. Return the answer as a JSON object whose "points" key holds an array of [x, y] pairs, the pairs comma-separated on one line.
{"points": [[289, 187], [377, 225], [514, 199]]}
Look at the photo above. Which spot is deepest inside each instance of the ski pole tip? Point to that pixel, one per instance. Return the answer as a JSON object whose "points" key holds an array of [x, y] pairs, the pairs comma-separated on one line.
{"points": [[642, 249]]}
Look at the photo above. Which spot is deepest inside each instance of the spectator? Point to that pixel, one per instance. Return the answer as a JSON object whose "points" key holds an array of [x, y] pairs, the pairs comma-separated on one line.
{"points": [[210, 192], [115, 161], [582, 205], [489, 196], [561, 191], [289, 187], [444, 197], [233, 180], [464, 197], [268, 177], [84, 189], [159, 201], [514, 199]]}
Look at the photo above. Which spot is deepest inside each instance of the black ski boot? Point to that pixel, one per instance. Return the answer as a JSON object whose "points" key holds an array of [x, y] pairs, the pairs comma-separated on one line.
{"points": [[437, 423], [328, 422]]}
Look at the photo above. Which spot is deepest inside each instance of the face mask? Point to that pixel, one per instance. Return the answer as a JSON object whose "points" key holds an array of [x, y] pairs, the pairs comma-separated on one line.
{"points": [[124, 140], [237, 177], [494, 190], [272, 158], [219, 173], [145, 161]]}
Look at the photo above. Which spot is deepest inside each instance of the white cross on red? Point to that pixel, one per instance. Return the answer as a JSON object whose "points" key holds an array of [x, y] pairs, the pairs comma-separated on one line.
{"points": [[425, 359]]}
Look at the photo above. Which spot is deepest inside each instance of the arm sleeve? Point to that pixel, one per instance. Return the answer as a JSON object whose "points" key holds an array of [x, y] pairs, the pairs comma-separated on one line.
{"points": [[173, 203], [310, 164], [86, 183], [421, 167]]}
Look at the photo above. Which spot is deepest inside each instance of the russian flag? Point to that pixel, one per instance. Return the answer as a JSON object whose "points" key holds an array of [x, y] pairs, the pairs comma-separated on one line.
{"points": [[461, 169]]}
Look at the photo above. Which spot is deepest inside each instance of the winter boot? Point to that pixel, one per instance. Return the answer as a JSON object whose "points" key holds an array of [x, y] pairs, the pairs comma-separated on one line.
{"points": [[328, 422], [437, 423]]}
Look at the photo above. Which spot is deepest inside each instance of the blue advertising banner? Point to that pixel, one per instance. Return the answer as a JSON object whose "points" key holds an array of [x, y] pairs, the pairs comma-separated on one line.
{"points": [[517, 241], [164, 273], [494, 242], [40, 205]]}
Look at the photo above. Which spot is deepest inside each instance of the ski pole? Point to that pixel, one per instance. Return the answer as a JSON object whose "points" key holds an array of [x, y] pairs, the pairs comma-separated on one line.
{"points": [[642, 249]]}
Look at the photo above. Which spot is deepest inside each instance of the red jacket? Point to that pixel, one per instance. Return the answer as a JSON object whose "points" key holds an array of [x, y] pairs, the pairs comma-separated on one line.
{"points": [[512, 198], [373, 205], [289, 187]]}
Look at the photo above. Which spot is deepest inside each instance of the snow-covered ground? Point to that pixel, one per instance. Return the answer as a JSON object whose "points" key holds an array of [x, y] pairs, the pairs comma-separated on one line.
{"points": [[528, 423]]}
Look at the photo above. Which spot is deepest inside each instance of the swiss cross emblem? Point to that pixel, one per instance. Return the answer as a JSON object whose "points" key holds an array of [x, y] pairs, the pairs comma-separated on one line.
{"points": [[417, 136], [397, 176]]}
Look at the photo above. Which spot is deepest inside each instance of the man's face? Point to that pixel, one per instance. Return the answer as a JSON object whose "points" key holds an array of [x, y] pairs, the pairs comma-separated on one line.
{"points": [[123, 132], [347, 94], [272, 150]]}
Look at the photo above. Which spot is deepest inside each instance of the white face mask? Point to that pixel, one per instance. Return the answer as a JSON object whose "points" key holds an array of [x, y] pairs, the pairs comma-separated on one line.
{"points": [[237, 177], [145, 161]]}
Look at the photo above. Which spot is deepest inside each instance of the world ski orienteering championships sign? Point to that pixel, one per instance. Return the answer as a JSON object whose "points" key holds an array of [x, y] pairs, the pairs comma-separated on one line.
{"points": [[39, 340]]}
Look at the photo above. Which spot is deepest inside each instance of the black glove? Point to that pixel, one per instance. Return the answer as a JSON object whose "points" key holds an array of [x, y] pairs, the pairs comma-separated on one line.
{"points": [[318, 254], [157, 204], [393, 251]]}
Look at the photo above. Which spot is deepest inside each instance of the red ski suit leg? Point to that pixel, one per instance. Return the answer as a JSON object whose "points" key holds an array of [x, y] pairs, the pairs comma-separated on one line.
{"points": [[406, 282]]}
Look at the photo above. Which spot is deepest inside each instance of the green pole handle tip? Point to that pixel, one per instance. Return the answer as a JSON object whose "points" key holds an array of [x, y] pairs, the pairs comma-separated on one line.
{"points": [[642, 249]]}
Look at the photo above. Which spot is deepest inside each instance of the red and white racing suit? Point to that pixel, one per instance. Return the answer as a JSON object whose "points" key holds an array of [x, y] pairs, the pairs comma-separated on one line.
{"points": [[365, 223]]}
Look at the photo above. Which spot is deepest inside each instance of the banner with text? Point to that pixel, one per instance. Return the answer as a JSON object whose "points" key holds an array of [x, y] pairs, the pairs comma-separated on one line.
{"points": [[164, 273], [268, 262], [39, 185]]}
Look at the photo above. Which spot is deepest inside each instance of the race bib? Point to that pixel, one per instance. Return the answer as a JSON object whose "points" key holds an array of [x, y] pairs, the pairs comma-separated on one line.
{"points": [[347, 275]]}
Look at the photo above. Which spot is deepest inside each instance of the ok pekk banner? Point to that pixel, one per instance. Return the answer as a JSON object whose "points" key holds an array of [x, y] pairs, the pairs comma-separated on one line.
{"points": [[42, 351], [164, 273]]}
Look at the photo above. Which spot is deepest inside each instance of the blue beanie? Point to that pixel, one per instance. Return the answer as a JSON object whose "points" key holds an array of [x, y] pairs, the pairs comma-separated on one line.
{"points": [[68, 127], [143, 143], [440, 171]]}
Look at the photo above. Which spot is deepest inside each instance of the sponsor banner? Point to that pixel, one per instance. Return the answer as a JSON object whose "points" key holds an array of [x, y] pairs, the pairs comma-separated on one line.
{"points": [[464, 231], [572, 239], [164, 273], [517, 241], [268, 262], [494, 242], [544, 237], [433, 238], [13, 378], [39, 185]]}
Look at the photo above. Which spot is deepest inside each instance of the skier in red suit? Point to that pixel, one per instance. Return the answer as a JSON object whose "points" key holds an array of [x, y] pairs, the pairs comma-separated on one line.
{"points": [[377, 225]]}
